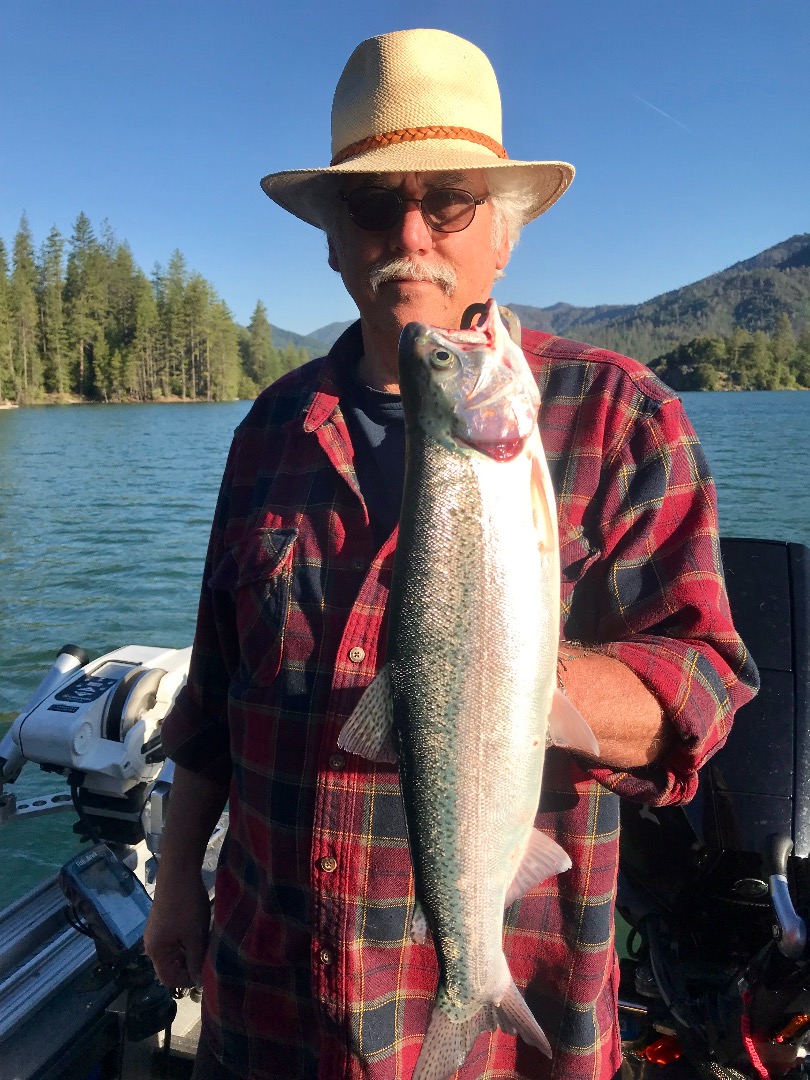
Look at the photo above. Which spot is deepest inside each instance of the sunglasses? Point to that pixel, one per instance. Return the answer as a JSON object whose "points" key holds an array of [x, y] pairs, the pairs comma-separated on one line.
{"points": [[445, 210]]}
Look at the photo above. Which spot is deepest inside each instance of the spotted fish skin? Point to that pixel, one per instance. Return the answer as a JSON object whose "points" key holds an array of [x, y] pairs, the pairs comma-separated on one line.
{"points": [[470, 671]]}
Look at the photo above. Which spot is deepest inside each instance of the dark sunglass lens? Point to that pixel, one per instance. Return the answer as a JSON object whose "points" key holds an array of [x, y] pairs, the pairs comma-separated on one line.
{"points": [[448, 209], [375, 209]]}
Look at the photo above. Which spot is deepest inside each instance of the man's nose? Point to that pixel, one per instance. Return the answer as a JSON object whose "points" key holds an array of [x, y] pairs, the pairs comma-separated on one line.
{"points": [[411, 234]]}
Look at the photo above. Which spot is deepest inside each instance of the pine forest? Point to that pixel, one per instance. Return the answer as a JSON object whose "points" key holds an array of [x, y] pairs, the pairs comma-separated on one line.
{"points": [[80, 321]]}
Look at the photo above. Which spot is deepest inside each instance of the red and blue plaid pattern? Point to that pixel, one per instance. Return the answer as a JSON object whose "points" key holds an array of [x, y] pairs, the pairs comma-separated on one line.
{"points": [[311, 970]]}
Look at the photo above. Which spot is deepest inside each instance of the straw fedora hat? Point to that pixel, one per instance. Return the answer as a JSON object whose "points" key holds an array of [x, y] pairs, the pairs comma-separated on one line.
{"points": [[416, 101]]}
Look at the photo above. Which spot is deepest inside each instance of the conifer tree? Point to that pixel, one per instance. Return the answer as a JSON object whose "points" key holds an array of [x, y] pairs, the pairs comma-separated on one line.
{"points": [[146, 328], [27, 364], [8, 388], [261, 361], [53, 335], [174, 322], [224, 354], [86, 304]]}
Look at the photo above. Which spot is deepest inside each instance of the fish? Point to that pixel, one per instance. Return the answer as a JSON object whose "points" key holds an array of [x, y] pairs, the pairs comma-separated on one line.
{"points": [[467, 698]]}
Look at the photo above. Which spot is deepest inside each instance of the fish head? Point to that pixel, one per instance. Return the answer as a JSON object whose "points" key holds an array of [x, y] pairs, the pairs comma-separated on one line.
{"points": [[469, 389]]}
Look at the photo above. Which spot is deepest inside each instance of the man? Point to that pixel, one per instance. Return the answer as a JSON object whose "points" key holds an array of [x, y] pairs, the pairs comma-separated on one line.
{"points": [[310, 971]]}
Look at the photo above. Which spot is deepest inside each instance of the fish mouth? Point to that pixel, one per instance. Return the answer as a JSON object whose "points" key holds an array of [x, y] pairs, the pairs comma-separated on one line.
{"points": [[506, 450], [490, 387]]}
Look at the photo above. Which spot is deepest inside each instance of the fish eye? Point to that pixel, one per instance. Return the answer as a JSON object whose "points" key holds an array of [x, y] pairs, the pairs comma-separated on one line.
{"points": [[442, 359]]}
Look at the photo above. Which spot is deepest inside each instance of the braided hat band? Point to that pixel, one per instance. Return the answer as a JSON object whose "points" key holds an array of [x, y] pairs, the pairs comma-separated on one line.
{"points": [[416, 101], [388, 138]]}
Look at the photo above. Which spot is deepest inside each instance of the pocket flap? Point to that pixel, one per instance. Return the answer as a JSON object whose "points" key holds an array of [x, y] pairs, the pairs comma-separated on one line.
{"points": [[576, 552], [259, 556]]}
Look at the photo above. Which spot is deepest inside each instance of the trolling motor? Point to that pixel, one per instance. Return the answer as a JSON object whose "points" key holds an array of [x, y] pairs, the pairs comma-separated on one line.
{"points": [[98, 723], [717, 893]]}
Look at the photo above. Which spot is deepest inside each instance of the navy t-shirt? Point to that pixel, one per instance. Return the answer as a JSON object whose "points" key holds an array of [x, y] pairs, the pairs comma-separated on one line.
{"points": [[376, 423]]}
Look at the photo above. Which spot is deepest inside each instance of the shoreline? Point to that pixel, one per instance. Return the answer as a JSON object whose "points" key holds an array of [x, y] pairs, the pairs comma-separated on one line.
{"points": [[63, 399]]}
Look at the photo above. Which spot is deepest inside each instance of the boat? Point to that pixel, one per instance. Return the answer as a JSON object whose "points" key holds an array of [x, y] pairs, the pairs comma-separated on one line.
{"points": [[78, 997], [708, 985]]}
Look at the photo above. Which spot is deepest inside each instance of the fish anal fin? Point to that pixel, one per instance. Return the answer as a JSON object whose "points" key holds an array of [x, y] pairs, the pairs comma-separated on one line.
{"points": [[567, 727], [515, 1016], [419, 925], [369, 730], [542, 859]]}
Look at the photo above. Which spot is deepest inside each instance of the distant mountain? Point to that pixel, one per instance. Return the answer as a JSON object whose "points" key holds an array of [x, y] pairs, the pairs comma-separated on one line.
{"points": [[332, 332], [560, 318], [751, 294], [313, 343]]}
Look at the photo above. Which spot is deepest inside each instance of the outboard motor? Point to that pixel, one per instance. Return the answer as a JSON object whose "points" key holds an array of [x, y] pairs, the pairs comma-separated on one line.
{"points": [[717, 893]]}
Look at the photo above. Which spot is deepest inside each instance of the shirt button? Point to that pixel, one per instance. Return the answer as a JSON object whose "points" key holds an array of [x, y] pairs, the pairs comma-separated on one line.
{"points": [[357, 655], [328, 864], [358, 564], [337, 761], [326, 956]]}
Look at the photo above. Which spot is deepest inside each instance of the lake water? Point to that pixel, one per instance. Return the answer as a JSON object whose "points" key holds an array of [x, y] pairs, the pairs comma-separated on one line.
{"points": [[104, 518]]}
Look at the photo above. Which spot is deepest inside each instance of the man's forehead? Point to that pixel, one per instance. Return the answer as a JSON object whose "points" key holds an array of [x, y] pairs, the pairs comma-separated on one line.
{"points": [[424, 179]]}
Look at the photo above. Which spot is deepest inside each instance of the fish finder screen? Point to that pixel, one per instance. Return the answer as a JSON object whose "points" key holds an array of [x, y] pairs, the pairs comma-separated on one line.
{"points": [[117, 900]]}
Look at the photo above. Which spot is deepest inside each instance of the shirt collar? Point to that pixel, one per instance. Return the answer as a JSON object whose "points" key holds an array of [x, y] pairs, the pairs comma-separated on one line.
{"points": [[345, 353]]}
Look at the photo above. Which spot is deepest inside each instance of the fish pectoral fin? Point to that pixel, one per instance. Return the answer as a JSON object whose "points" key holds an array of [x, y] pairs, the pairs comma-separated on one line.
{"points": [[369, 730], [568, 728], [419, 925], [542, 497], [542, 859]]}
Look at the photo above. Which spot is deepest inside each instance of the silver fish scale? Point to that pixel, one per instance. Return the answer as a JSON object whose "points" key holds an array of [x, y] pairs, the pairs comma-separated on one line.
{"points": [[465, 675]]}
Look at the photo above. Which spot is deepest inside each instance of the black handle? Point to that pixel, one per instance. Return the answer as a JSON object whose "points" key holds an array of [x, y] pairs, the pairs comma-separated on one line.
{"points": [[777, 850]]}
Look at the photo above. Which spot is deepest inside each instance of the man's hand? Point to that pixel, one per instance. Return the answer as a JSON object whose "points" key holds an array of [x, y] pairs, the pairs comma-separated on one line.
{"points": [[625, 717], [176, 934]]}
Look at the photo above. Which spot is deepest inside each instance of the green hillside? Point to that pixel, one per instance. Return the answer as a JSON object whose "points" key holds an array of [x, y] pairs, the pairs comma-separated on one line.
{"points": [[751, 295]]}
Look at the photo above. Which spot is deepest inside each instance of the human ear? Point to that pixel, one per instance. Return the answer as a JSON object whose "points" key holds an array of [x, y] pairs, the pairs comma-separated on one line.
{"points": [[502, 253], [333, 260]]}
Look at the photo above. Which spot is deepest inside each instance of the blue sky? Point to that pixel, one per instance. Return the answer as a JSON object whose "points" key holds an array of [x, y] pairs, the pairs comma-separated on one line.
{"points": [[687, 123]]}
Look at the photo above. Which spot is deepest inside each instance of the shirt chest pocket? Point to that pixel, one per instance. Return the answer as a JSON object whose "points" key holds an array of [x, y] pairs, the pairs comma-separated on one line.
{"points": [[257, 573], [580, 611]]}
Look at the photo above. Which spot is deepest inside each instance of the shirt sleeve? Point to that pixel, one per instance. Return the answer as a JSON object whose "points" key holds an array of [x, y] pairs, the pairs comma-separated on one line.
{"points": [[195, 732], [659, 595]]}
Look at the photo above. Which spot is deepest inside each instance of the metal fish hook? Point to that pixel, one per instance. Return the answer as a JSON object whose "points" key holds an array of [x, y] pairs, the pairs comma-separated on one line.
{"points": [[510, 320]]}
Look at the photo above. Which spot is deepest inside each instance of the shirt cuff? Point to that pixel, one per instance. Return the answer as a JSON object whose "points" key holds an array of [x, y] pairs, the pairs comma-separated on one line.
{"points": [[699, 704]]}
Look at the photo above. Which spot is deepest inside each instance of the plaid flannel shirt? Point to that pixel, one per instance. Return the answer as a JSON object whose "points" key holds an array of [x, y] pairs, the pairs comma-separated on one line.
{"points": [[311, 971]]}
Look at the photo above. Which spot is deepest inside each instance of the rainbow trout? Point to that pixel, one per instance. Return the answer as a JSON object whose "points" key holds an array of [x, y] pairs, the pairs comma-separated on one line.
{"points": [[467, 699]]}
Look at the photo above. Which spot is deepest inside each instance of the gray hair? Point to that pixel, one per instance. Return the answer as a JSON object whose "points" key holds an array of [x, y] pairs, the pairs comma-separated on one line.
{"points": [[511, 203]]}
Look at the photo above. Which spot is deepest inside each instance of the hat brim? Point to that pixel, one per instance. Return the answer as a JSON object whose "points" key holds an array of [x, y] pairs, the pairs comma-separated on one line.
{"points": [[303, 191]]}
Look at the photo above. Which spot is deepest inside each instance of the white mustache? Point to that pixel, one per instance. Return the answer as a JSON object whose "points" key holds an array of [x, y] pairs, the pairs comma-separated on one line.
{"points": [[410, 270]]}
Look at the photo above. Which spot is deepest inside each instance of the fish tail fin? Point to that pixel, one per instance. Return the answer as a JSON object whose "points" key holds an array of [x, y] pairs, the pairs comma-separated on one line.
{"points": [[515, 1017], [447, 1042]]}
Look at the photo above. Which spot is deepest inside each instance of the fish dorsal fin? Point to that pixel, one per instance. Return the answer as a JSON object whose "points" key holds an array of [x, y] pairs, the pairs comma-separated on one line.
{"points": [[369, 730], [542, 859], [567, 727]]}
